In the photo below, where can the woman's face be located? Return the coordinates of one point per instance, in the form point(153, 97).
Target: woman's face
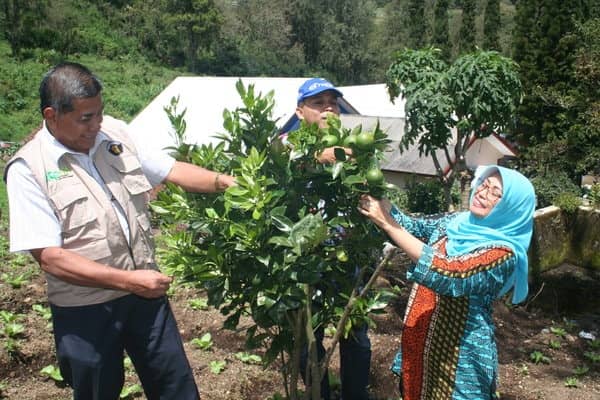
point(487, 195)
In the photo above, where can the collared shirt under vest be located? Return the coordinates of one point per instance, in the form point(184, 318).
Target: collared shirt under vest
point(101, 203)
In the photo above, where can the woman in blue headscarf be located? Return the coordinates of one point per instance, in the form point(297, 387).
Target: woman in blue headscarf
point(463, 262)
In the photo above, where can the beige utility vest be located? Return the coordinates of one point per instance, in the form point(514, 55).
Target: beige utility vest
point(89, 223)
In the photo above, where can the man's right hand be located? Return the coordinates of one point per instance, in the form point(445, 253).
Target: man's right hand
point(148, 283)
point(327, 156)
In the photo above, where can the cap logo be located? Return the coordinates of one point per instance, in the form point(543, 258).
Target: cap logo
point(318, 85)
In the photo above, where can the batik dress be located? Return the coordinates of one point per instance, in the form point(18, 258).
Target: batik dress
point(448, 350)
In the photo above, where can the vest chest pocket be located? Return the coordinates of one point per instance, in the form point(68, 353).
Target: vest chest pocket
point(72, 203)
point(133, 177)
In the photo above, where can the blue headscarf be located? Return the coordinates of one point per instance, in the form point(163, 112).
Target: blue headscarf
point(510, 223)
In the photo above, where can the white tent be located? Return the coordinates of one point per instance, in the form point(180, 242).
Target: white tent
point(204, 99)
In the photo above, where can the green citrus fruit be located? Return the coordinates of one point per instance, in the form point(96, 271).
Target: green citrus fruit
point(341, 255)
point(350, 140)
point(329, 140)
point(374, 176)
point(278, 147)
point(365, 140)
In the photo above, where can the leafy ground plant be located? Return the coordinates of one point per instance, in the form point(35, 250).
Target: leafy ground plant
point(538, 357)
point(198, 304)
point(131, 391)
point(248, 358)
point(204, 343)
point(572, 382)
point(217, 366)
point(11, 330)
point(52, 372)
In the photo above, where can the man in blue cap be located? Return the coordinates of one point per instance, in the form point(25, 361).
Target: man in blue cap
point(317, 99)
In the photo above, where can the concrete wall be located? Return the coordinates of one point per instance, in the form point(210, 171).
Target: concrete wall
point(559, 238)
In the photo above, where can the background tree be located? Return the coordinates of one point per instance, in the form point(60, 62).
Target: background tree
point(584, 134)
point(308, 19)
point(441, 32)
point(23, 23)
point(344, 50)
point(262, 37)
point(388, 36)
point(177, 32)
point(466, 40)
point(448, 106)
point(417, 24)
point(491, 25)
point(546, 47)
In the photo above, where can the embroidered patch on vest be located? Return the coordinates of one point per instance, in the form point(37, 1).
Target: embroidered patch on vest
point(56, 175)
point(115, 148)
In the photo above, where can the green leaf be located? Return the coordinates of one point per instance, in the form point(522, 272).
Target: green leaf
point(282, 222)
point(216, 367)
point(354, 179)
point(280, 241)
point(211, 213)
point(131, 390)
point(338, 167)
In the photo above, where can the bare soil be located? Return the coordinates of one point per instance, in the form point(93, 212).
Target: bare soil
point(564, 303)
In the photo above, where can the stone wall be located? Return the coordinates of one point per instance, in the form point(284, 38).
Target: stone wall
point(559, 237)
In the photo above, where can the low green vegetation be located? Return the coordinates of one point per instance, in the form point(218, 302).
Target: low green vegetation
point(52, 372)
point(204, 342)
point(198, 304)
point(217, 366)
point(11, 330)
point(538, 357)
point(248, 358)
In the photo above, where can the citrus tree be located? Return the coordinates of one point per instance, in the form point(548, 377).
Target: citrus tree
point(449, 106)
point(286, 246)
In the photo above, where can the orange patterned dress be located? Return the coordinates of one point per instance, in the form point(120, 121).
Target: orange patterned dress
point(448, 349)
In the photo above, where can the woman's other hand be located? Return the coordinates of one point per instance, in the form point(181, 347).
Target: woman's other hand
point(376, 210)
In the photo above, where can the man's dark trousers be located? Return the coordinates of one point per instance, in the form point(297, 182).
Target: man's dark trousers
point(91, 340)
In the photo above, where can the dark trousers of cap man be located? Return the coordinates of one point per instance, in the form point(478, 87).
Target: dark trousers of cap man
point(355, 364)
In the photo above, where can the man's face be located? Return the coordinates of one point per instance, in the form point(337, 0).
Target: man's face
point(76, 129)
point(315, 109)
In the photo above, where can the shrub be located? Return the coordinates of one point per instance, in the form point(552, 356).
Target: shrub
point(550, 185)
point(594, 194)
point(568, 202)
point(427, 197)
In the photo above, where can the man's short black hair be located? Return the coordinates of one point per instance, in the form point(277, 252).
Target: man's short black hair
point(65, 82)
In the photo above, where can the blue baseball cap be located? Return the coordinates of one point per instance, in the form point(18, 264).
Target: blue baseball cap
point(313, 87)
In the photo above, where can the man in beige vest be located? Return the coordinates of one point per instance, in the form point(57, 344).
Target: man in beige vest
point(78, 194)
